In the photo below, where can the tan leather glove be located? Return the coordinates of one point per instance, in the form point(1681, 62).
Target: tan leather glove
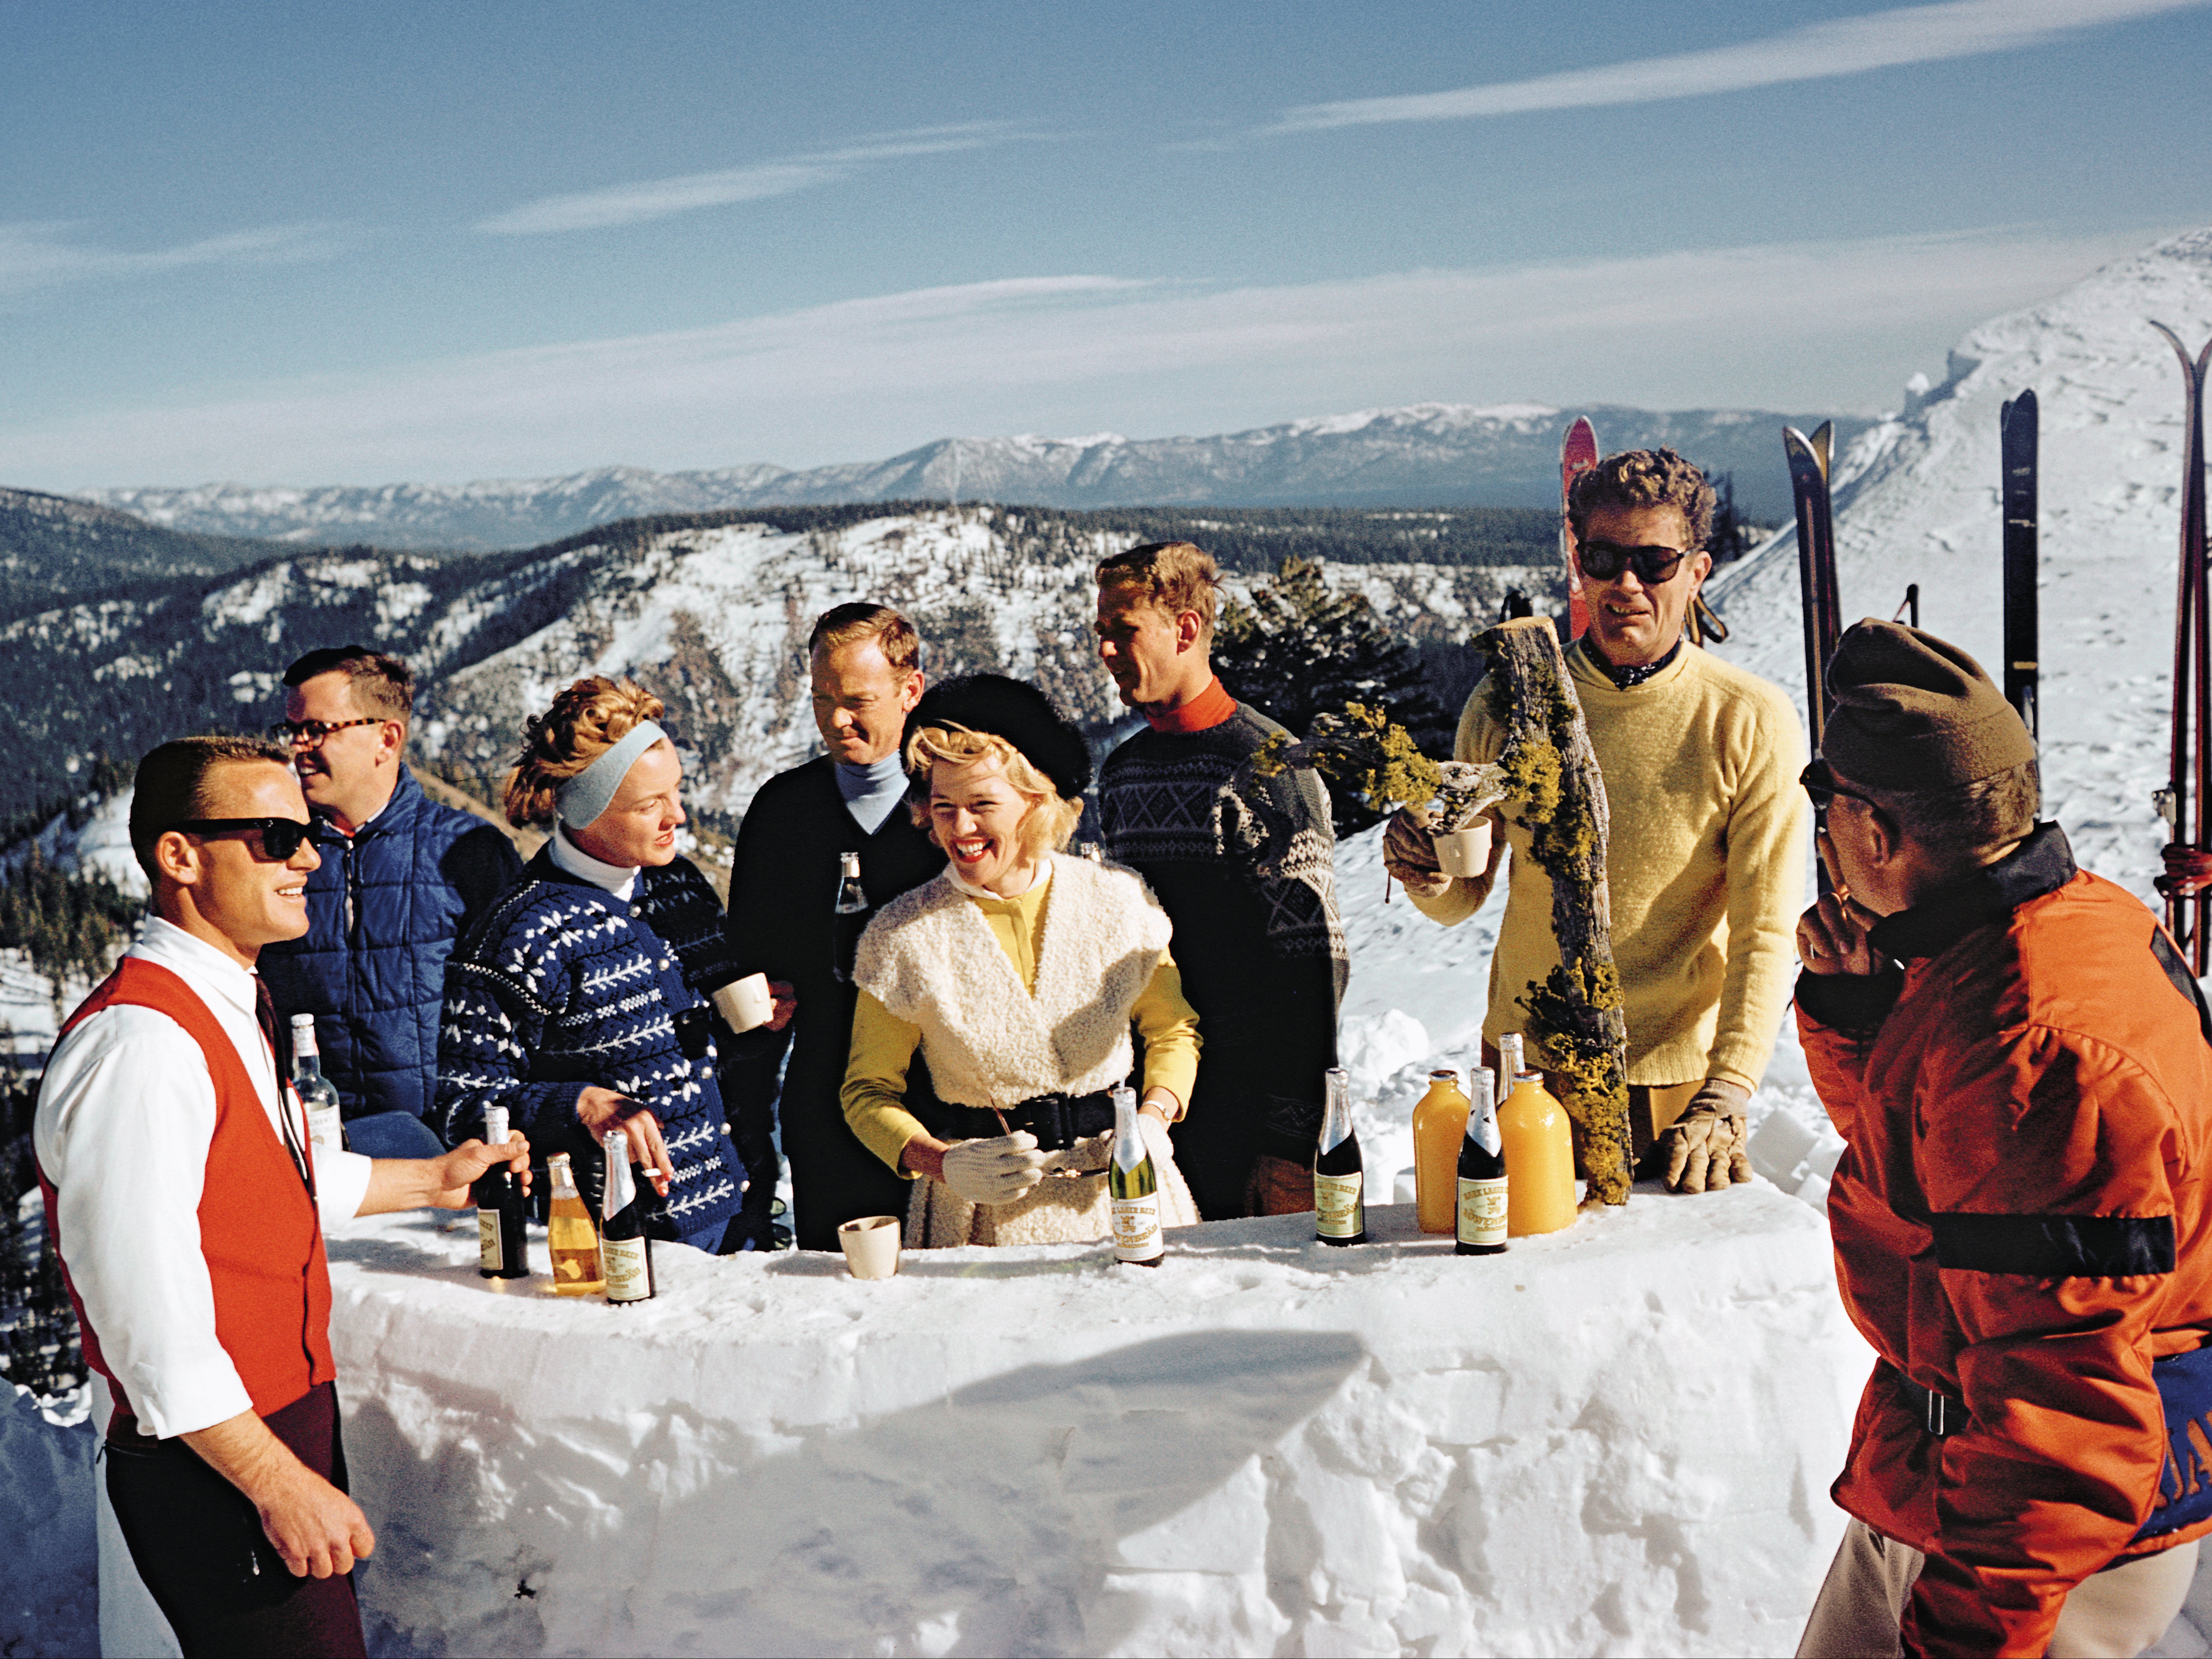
point(1278, 1186)
point(1409, 852)
point(1708, 1147)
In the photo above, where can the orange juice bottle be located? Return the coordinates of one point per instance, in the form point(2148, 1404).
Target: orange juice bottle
point(1439, 1125)
point(1539, 1156)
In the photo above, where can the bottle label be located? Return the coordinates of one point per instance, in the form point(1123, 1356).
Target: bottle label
point(623, 1265)
point(1137, 1228)
point(1338, 1213)
point(1482, 1212)
point(491, 1253)
point(326, 1127)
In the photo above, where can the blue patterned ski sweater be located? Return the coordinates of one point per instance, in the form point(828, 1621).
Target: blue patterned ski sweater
point(562, 985)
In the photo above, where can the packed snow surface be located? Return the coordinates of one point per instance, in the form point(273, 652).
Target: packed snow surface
point(1611, 1440)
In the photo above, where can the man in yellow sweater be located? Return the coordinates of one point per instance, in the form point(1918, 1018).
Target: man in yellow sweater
point(1706, 856)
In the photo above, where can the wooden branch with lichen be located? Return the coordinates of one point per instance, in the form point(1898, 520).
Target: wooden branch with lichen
point(1368, 755)
point(1575, 1017)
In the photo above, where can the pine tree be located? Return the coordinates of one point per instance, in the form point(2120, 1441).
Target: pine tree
point(1299, 649)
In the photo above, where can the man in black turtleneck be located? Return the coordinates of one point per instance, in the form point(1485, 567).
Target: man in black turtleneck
point(1706, 852)
point(865, 662)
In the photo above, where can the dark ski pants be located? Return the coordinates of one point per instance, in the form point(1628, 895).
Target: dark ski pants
point(198, 1545)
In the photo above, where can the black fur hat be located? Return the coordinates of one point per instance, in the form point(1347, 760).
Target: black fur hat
point(1017, 712)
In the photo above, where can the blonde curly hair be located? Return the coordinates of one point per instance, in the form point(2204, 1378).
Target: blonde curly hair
point(1045, 827)
point(586, 721)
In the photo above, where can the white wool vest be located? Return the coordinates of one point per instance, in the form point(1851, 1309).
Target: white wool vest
point(931, 958)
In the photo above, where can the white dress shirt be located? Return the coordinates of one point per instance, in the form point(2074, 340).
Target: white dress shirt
point(125, 1117)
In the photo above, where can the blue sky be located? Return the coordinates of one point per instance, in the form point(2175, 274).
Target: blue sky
point(318, 243)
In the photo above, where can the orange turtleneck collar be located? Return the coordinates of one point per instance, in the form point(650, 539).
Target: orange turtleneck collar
point(1202, 713)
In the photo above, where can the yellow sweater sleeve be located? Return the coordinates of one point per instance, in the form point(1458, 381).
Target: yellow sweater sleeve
point(1479, 740)
point(1169, 1025)
point(1766, 837)
point(874, 1092)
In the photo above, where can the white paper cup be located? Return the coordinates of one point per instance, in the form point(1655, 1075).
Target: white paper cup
point(872, 1246)
point(746, 1002)
point(1461, 852)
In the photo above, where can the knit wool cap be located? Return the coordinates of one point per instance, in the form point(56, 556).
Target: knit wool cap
point(1914, 712)
point(1013, 710)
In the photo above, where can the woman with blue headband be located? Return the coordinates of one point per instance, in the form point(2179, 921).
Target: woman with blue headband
point(581, 1002)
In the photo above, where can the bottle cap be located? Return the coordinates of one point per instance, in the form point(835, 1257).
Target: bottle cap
point(614, 1139)
point(1443, 1071)
point(560, 1158)
point(494, 1125)
point(303, 1022)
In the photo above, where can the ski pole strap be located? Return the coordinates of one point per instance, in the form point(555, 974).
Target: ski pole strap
point(2188, 871)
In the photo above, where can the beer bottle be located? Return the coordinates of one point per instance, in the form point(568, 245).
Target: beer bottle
point(1133, 1186)
point(500, 1210)
point(849, 919)
point(1340, 1206)
point(569, 1235)
point(625, 1251)
point(1482, 1190)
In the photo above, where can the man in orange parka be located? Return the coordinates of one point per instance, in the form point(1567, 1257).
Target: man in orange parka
point(2020, 1063)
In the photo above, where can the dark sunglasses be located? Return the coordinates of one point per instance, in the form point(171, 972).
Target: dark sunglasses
point(280, 837)
point(1820, 783)
point(310, 734)
point(1605, 560)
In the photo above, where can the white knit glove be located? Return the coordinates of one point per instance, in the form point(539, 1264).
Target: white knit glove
point(995, 1171)
point(1157, 1141)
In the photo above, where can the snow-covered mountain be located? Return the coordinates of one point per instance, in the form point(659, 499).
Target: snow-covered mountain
point(712, 613)
point(1917, 501)
point(1424, 455)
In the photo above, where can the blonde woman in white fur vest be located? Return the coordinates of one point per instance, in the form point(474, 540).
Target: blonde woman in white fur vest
point(1018, 974)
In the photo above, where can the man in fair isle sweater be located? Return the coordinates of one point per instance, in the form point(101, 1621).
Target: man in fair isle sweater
point(1707, 851)
point(1252, 895)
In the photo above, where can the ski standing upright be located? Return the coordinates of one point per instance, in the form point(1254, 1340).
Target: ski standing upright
point(2189, 851)
point(1816, 573)
point(1577, 453)
point(2016, 435)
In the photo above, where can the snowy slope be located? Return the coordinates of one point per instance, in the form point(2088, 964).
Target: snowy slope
point(1917, 501)
point(1423, 455)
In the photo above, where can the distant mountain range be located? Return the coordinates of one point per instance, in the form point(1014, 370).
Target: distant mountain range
point(1424, 455)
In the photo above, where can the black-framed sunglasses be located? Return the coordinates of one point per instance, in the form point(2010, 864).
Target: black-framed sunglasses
point(1605, 560)
point(280, 837)
point(1820, 783)
point(310, 734)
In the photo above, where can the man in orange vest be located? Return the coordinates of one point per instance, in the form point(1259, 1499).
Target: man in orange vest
point(187, 1208)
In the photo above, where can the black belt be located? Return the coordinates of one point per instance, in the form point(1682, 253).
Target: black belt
point(1940, 1414)
point(1058, 1121)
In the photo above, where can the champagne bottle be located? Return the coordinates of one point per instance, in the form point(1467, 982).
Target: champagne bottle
point(1481, 1229)
point(318, 1099)
point(849, 919)
point(1439, 1126)
point(1134, 1188)
point(569, 1235)
point(625, 1252)
point(1340, 1206)
point(500, 1210)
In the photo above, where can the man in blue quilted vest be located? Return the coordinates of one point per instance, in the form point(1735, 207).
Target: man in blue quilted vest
point(402, 880)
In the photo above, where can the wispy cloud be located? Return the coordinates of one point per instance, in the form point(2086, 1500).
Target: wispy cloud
point(1844, 46)
point(38, 253)
point(661, 199)
point(1832, 325)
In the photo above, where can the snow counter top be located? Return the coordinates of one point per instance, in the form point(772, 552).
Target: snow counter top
point(1614, 1439)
